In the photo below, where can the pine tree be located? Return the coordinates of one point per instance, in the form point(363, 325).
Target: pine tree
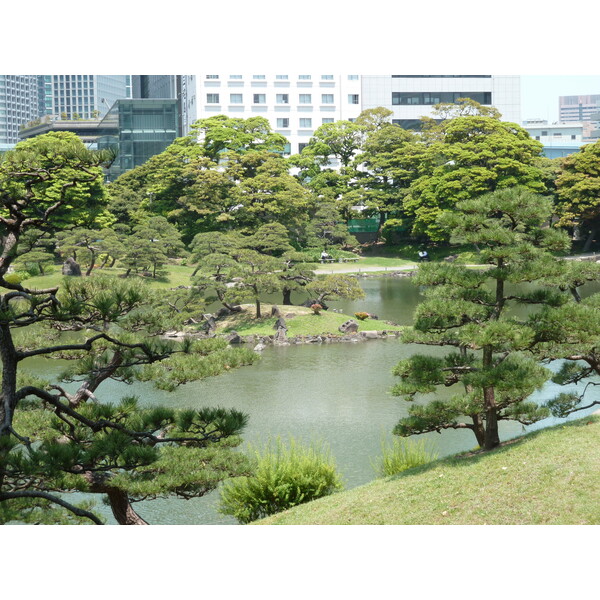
point(68, 435)
point(491, 367)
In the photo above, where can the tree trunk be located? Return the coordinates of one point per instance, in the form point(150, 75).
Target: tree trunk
point(257, 303)
point(589, 240)
point(92, 261)
point(492, 438)
point(122, 509)
point(287, 296)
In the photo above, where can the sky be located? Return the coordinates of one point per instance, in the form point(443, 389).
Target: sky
point(540, 93)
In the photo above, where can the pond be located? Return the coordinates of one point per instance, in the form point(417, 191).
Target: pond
point(338, 394)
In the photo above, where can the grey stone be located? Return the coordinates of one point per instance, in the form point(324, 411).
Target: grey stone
point(234, 338)
point(280, 324)
point(349, 326)
point(71, 268)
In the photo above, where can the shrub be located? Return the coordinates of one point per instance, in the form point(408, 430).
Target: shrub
point(361, 316)
point(284, 476)
point(316, 308)
point(402, 455)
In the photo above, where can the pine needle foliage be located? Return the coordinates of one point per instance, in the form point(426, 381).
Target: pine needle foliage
point(492, 363)
point(57, 438)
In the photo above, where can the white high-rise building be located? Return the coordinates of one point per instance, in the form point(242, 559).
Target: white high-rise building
point(19, 104)
point(411, 97)
point(295, 104)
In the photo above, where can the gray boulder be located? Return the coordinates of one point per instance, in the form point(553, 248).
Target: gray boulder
point(71, 268)
point(350, 326)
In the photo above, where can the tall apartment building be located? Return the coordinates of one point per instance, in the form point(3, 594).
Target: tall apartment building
point(84, 95)
point(295, 104)
point(19, 104)
point(411, 97)
point(584, 109)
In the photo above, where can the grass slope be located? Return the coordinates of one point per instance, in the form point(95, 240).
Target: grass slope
point(299, 321)
point(548, 477)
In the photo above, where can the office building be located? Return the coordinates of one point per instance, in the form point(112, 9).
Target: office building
point(559, 139)
point(584, 109)
point(179, 87)
point(19, 104)
point(295, 104)
point(411, 97)
point(138, 129)
point(83, 96)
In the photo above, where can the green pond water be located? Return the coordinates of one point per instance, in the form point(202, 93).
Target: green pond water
point(338, 394)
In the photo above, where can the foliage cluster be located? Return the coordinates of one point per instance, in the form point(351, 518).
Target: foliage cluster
point(285, 475)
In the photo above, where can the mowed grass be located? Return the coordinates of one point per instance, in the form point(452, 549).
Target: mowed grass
point(300, 321)
point(549, 477)
point(175, 275)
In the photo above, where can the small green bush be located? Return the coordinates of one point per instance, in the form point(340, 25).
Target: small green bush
point(402, 455)
point(284, 476)
point(361, 316)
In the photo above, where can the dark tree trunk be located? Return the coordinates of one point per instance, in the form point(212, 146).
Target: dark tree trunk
point(589, 240)
point(122, 509)
point(92, 261)
point(287, 297)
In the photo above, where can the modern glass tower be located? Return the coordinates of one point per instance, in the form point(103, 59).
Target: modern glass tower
point(86, 96)
point(138, 129)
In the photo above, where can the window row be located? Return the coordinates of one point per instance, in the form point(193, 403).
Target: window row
point(279, 98)
point(430, 98)
point(285, 77)
point(305, 123)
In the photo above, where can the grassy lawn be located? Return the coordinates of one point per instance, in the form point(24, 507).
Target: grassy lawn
point(176, 275)
point(299, 320)
point(548, 477)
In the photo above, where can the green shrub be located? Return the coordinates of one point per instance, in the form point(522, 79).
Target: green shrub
point(402, 455)
point(284, 476)
point(361, 316)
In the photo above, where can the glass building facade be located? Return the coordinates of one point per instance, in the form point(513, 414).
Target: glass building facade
point(137, 129)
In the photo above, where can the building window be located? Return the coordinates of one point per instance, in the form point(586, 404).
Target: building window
point(326, 98)
point(327, 77)
point(281, 76)
point(303, 76)
point(352, 98)
point(352, 77)
point(236, 98)
point(283, 123)
point(430, 98)
point(282, 98)
point(258, 77)
point(326, 120)
point(306, 123)
point(573, 137)
point(212, 77)
point(301, 146)
point(305, 99)
point(235, 77)
point(260, 99)
point(544, 133)
point(212, 98)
